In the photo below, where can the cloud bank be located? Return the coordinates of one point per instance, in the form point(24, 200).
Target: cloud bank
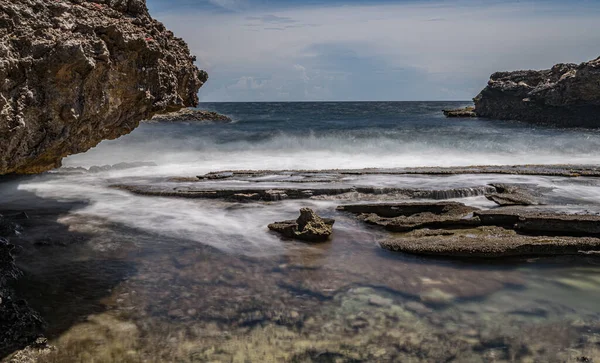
point(386, 51)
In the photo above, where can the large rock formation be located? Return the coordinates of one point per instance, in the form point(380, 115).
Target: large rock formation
point(76, 72)
point(566, 95)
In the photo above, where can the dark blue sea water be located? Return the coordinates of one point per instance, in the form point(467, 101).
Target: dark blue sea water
point(345, 135)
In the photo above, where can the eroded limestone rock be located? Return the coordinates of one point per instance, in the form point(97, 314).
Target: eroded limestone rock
point(489, 242)
point(308, 227)
point(565, 95)
point(76, 72)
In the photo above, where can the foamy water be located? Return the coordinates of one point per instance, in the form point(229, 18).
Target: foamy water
point(306, 136)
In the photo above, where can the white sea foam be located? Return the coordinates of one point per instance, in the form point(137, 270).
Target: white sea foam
point(200, 154)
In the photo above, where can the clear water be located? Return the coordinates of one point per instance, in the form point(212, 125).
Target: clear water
point(121, 277)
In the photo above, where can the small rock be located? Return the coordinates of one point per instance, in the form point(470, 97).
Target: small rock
point(308, 227)
point(460, 112)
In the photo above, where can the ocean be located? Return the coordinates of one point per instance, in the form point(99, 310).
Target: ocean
point(126, 277)
point(344, 135)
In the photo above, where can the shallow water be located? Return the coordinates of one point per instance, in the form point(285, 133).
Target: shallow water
point(122, 277)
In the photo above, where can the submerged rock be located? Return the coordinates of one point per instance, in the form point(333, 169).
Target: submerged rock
point(565, 95)
point(190, 115)
point(460, 112)
point(308, 227)
point(77, 72)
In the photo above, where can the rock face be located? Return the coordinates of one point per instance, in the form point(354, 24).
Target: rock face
point(190, 115)
point(308, 227)
point(566, 95)
point(76, 72)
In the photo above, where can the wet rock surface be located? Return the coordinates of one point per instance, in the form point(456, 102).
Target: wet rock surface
point(19, 324)
point(308, 227)
point(494, 233)
point(570, 170)
point(79, 72)
point(460, 112)
point(488, 242)
point(254, 194)
point(102, 168)
point(190, 115)
point(567, 95)
point(402, 217)
point(545, 223)
point(507, 195)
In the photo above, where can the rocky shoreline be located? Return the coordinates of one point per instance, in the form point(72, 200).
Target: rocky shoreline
point(567, 95)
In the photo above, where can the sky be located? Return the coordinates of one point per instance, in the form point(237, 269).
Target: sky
point(361, 50)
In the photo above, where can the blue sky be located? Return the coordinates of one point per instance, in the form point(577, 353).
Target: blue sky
point(273, 50)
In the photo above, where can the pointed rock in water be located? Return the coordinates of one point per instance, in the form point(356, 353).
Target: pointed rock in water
point(308, 227)
point(460, 112)
point(76, 72)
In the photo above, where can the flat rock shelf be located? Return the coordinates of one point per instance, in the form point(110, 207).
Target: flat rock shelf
point(452, 212)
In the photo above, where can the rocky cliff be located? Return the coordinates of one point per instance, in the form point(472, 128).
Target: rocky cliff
point(76, 72)
point(566, 95)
